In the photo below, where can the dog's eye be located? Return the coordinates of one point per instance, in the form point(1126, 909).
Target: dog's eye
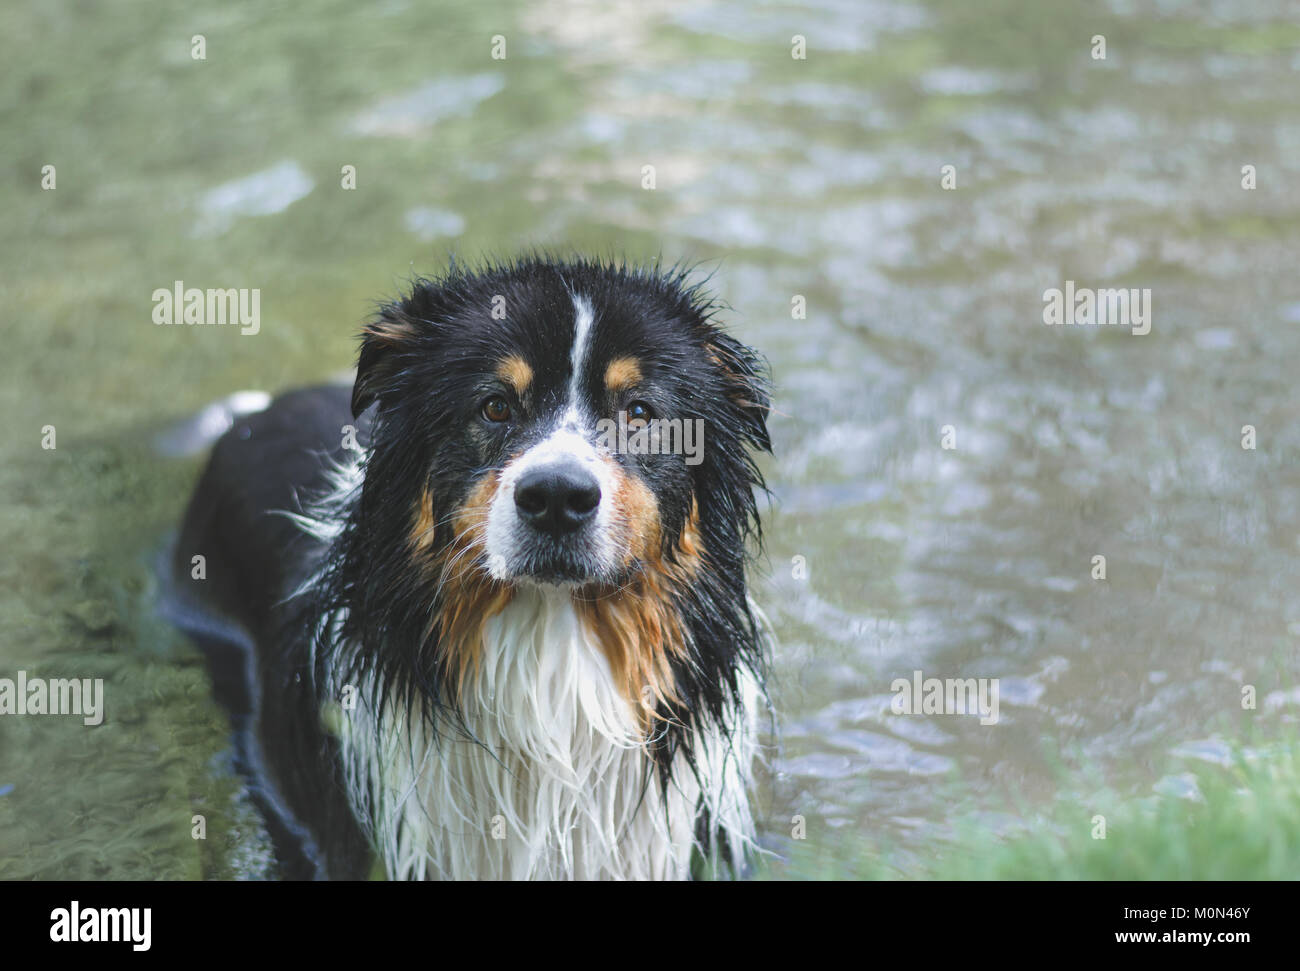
point(496, 409)
point(639, 411)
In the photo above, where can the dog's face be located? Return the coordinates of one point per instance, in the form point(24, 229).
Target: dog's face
point(558, 424)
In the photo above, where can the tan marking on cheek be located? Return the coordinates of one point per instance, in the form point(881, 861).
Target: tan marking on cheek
point(637, 625)
point(636, 514)
point(470, 520)
point(423, 530)
point(622, 373)
point(639, 631)
point(687, 557)
point(514, 371)
point(470, 596)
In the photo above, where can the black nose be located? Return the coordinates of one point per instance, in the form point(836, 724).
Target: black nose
point(557, 499)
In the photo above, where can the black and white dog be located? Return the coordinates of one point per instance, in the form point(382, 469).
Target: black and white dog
point(493, 603)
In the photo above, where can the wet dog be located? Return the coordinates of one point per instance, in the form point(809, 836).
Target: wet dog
point(479, 636)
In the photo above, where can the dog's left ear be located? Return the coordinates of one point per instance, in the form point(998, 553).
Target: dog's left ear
point(383, 345)
point(746, 387)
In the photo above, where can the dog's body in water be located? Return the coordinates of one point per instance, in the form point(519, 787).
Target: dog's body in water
point(466, 637)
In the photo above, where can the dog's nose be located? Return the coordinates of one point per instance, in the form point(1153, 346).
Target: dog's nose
point(557, 499)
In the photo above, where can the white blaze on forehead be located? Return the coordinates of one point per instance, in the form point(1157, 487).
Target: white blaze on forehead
point(567, 442)
point(581, 345)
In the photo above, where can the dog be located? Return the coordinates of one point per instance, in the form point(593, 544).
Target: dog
point(483, 617)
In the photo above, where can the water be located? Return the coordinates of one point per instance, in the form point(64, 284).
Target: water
point(818, 178)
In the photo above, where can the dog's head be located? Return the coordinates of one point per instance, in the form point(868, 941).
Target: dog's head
point(563, 424)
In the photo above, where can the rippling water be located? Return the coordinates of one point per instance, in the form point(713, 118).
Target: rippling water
point(818, 181)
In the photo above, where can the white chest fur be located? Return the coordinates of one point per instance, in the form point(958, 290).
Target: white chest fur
point(554, 785)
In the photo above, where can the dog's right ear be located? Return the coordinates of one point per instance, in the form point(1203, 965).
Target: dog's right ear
point(384, 343)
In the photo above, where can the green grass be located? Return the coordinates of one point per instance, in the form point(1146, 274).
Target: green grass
point(1237, 822)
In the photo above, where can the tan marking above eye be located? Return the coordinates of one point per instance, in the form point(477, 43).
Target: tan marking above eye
point(622, 373)
point(516, 372)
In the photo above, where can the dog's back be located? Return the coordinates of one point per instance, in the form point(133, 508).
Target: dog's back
point(235, 603)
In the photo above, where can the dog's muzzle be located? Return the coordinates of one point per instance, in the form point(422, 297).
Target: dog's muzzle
point(553, 519)
point(557, 499)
